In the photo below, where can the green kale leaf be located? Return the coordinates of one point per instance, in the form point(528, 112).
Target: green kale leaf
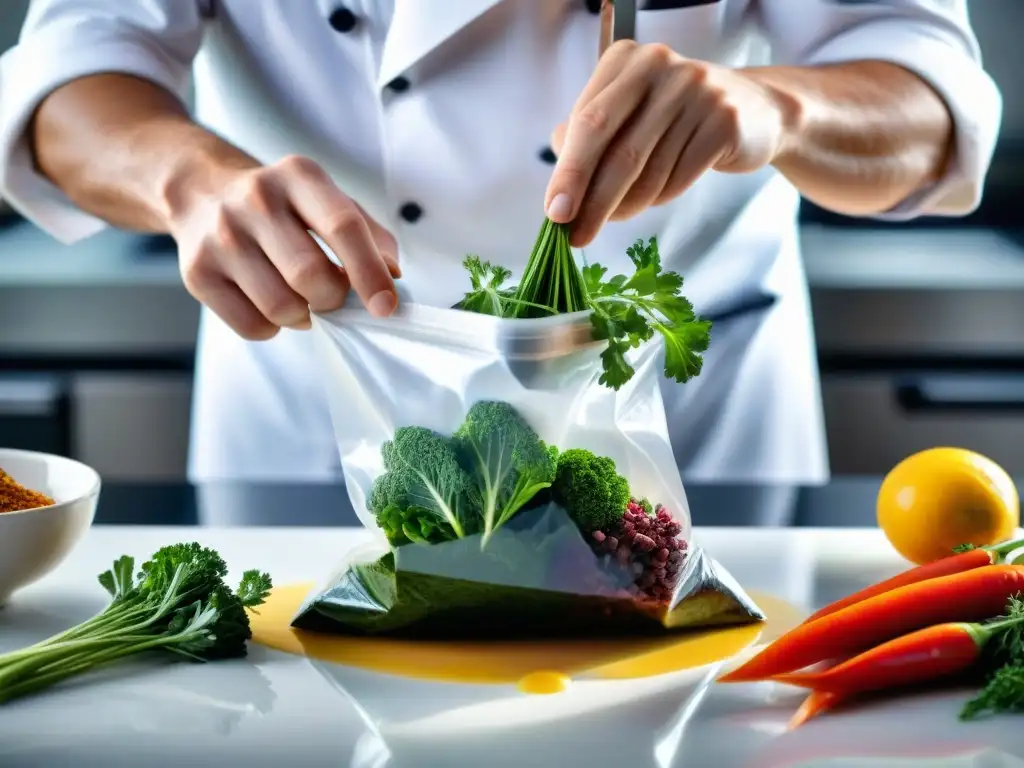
point(423, 473)
point(505, 457)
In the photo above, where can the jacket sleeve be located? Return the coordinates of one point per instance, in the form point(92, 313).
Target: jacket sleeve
point(933, 39)
point(63, 40)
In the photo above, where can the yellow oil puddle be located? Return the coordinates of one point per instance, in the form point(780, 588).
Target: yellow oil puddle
point(544, 682)
point(540, 667)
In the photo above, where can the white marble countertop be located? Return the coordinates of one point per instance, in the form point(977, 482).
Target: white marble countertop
point(273, 709)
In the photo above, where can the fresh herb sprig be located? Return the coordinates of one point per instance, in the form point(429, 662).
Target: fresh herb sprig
point(486, 296)
point(552, 280)
point(625, 311)
point(1004, 688)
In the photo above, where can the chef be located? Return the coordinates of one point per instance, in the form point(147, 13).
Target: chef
point(407, 133)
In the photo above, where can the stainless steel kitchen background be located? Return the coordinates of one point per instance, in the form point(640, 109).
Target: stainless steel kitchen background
point(918, 325)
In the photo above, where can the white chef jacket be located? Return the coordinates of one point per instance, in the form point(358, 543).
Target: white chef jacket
point(435, 116)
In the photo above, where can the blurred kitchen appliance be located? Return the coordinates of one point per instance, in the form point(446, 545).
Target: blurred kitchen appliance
point(920, 342)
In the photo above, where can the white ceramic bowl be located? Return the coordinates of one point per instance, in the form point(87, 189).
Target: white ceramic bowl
point(33, 542)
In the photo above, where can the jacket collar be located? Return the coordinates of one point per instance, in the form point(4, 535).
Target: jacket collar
point(419, 27)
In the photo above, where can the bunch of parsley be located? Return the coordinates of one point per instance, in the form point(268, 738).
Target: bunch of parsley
point(176, 603)
point(625, 311)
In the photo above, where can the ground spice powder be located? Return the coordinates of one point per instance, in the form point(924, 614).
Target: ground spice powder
point(15, 497)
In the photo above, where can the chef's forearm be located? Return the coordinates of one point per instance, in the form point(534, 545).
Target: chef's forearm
point(119, 146)
point(862, 136)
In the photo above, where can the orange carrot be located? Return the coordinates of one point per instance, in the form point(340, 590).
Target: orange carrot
point(815, 704)
point(974, 595)
point(922, 656)
point(947, 566)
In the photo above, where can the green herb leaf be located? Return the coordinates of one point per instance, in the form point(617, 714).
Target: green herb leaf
point(1004, 689)
point(627, 312)
point(1004, 692)
point(487, 296)
point(254, 588)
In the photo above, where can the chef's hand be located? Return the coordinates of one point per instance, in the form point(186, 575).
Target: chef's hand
point(246, 252)
point(646, 127)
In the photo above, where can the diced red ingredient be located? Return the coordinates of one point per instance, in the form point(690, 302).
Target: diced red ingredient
point(649, 545)
point(643, 542)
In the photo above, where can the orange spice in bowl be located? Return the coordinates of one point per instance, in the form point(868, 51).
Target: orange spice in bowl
point(14, 497)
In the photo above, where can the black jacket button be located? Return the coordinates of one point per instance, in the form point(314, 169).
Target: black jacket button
point(399, 85)
point(342, 19)
point(411, 212)
point(548, 156)
point(594, 6)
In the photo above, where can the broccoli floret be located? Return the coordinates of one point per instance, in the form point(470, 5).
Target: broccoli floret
point(590, 489)
point(507, 459)
point(423, 473)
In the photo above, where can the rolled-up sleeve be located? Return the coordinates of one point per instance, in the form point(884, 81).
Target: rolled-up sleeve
point(931, 38)
point(63, 40)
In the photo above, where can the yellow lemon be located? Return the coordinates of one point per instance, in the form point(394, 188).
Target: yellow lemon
point(937, 499)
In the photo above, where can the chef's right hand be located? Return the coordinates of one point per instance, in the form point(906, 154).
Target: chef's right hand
point(246, 253)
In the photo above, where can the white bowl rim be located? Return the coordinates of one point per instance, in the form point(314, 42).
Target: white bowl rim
point(94, 487)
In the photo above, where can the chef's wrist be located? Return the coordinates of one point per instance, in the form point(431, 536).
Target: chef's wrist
point(790, 104)
point(198, 170)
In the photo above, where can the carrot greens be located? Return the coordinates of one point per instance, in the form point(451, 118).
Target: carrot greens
point(1004, 687)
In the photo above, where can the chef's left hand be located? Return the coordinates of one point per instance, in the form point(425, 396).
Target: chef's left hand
point(648, 124)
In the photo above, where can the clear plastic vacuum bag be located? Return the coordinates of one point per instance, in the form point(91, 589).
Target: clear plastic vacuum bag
point(514, 495)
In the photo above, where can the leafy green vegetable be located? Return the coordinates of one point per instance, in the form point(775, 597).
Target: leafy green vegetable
point(487, 296)
point(624, 311)
point(1004, 692)
point(423, 473)
point(508, 461)
point(412, 526)
point(627, 312)
point(1004, 688)
point(435, 489)
point(590, 489)
point(177, 602)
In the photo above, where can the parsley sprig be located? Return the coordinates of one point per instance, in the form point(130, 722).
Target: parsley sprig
point(625, 311)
